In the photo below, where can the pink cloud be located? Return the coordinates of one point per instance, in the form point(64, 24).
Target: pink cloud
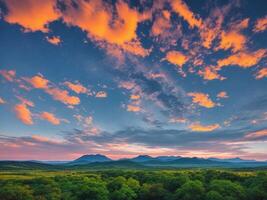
point(9, 75)
point(257, 134)
point(2, 101)
point(101, 94)
point(127, 85)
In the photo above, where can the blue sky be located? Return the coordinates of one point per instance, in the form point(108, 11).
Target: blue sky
point(172, 77)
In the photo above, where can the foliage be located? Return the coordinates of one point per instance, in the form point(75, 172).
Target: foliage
point(133, 185)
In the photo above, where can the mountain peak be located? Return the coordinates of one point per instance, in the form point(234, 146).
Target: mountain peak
point(90, 158)
point(142, 158)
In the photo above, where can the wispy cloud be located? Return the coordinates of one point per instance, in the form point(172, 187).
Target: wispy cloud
point(262, 73)
point(9, 75)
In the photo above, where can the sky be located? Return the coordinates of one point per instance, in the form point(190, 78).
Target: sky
point(123, 78)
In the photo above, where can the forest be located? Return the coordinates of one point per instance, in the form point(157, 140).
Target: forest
point(121, 184)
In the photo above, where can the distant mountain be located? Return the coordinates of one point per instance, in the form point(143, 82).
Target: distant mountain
point(85, 159)
point(182, 162)
point(142, 158)
point(167, 158)
point(232, 160)
point(98, 161)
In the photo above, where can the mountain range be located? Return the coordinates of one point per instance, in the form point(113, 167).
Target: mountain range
point(98, 161)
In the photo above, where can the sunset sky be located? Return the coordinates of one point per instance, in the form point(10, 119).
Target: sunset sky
point(123, 78)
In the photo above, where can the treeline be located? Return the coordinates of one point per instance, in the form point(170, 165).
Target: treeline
point(139, 185)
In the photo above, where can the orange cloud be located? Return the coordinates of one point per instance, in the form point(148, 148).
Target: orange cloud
point(233, 39)
point(99, 21)
point(54, 40)
point(257, 134)
point(38, 82)
point(77, 87)
point(63, 96)
point(182, 9)
point(101, 94)
point(50, 117)
point(135, 96)
point(222, 94)
point(161, 23)
point(202, 99)
point(197, 127)
point(239, 25)
point(133, 108)
point(243, 59)
point(261, 73)
point(261, 24)
point(176, 58)
point(135, 48)
point(209, 73)
point(2, 101)
point(9, 75)
point(32, 15)
point(211, 27)
point(124, 26)
point(23, 113)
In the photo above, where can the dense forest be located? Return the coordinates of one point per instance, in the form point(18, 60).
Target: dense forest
point(134, 185)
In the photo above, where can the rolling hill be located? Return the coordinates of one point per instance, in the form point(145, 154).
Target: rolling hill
point(98, 161)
